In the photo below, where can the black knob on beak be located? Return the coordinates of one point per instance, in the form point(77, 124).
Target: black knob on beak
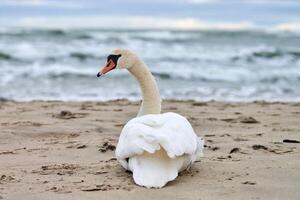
point(98, 75)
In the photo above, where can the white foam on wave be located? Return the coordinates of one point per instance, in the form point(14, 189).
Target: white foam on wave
point(188, 65)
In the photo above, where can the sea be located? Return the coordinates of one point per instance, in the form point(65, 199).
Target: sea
point(222, 65)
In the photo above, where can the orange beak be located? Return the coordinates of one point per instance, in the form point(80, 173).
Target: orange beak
point(110, 65)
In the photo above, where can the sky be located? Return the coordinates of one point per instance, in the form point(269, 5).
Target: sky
point(182, 14)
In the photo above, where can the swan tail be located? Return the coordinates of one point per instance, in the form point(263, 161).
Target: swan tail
point(153, 170)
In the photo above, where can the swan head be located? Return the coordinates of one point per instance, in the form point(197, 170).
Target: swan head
point(118, 59)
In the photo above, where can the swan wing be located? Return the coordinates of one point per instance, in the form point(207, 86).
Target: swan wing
point(156, 147)
point(150, 133)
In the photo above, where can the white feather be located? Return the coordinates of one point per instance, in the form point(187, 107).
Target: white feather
point(156, 147)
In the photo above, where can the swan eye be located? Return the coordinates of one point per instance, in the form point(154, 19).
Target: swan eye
point(114, 58)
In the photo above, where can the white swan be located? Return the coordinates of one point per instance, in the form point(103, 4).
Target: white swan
point(154, 146)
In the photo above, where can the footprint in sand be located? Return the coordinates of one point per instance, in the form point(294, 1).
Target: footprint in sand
point(76, 146)
point(278, 150)
point(104, 187)
point(107, 146)
point(249, 183)
point(8, 179)
point(59, 190)
point(65, 114)
point(59, 169)
point(242, 119)
point(26, 123)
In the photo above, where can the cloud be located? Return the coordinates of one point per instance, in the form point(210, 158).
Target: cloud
point(23, 2)
point(201, 1)
point(140, 22)
point(269, 2)
point(42, 3)
point(290, 26)
point(123, 22)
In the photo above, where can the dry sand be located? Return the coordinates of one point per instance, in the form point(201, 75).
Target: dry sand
point(65, 150)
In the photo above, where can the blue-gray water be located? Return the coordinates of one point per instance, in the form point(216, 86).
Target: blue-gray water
point(202, 65)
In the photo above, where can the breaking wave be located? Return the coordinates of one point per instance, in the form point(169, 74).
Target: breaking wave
point(222, 65)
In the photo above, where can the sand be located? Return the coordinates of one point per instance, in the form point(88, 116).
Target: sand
point(65, 150)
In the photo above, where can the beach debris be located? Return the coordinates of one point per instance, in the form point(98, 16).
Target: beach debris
point(234, 150)
point(91, 189)
point(106, 146)
point(277, 143)
point(212, 119)
point(242, 119)
point(103, 187)
point(248, 120)
point(240, 139)
point(272, 150)
point(7, 152)
point(99, 172)
point(226, 134)
point(222, 158)
point(258, 147)
point(73, 135)
point(248, 183)
point(280, 151)
point(229, 120)
point(59, 169)
point(81, 146)
point(119, 125)
point(214, 148)
point(65, 114)
point(6, 178)
point(77, 146)
point(290, 141)
point(60, 190)
point(209, 135)
point(26, 123)
point(199, 104)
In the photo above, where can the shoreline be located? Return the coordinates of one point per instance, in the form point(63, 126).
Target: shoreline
point(65, 150)
point(163, 100)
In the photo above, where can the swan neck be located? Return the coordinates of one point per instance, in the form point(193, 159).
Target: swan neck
point(151, 103)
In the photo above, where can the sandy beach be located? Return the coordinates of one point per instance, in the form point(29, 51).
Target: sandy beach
point(65, 150)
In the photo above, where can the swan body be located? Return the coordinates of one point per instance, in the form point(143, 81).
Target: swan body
point(154, 146)
point(158, 147)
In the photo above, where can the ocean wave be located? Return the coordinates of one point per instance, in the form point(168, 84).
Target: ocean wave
point(197, 75)
point(276, 53)
point(84, 56)
point(5, 56)
point(33, 32)
point(267, 54)
point(10, 58)
point(224, 65)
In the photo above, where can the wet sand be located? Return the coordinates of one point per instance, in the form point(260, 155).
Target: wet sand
point(65, 150)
